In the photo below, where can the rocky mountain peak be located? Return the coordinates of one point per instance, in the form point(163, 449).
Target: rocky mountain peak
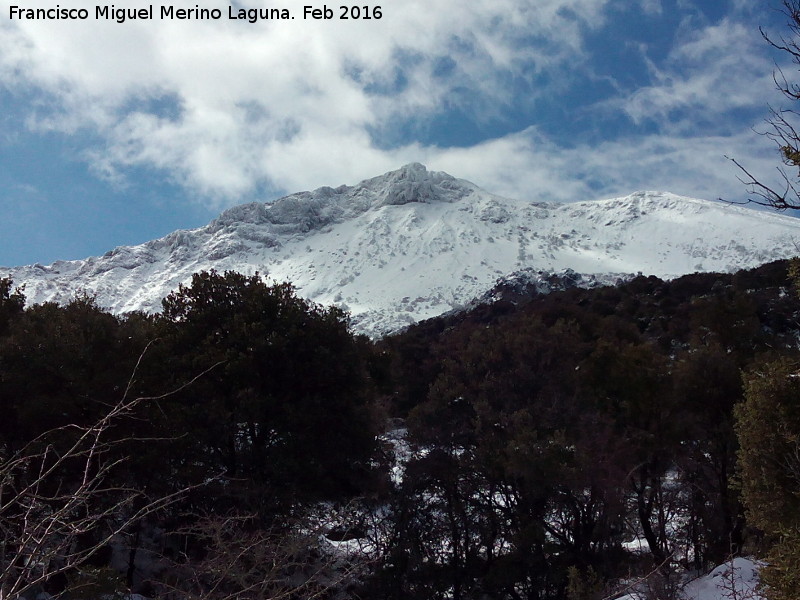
point(413, 183)
point(414, 243)
point(304, 211)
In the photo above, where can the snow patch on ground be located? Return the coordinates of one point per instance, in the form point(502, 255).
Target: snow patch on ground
point(736, 579)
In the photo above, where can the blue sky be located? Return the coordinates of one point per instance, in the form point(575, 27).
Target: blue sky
point(114, 134)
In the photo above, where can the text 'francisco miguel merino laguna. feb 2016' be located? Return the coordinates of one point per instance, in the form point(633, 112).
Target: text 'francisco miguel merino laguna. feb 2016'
point(252, 15)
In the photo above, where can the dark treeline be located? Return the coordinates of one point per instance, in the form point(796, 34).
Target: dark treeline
point(560, 444)
point(255, 402)
point(559, 428)
point(249, 382)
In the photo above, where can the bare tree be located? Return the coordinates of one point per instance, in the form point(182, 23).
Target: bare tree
point(733, 586)
point(59, 505)
point(240, 557)
point(782, 126)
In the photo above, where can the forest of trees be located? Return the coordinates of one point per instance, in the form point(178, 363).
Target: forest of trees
point(593, 416)
point(238, 399)
point(559, 446)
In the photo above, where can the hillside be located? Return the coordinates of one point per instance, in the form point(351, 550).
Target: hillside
point(412, 244)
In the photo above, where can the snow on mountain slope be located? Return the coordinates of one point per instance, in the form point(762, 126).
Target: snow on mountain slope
point(413, 243)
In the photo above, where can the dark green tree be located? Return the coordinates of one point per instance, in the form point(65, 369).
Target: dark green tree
point(12, 303)
point(768, 426)
point(61, 365)
point(284, 402)
point(707, 384)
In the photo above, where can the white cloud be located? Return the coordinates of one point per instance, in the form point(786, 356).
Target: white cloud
point(652, 7)
point(226, 107)
point(529, 166)
point(713, 70)
point(248, 96)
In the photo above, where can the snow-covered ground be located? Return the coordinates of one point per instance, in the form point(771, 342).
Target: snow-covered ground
point(736, 580)
point(733, 580)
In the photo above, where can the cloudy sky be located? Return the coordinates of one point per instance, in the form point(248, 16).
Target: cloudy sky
point(117, 133)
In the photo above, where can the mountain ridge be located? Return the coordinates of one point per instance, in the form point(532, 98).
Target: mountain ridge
point(413, 243)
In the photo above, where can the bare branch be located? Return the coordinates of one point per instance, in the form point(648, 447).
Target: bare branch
point(44, 512)
point(245, 559)
point(781, 125)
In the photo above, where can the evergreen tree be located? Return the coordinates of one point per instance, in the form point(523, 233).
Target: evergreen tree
point(12, 302)
point(60, 365)
point(284, 402)
point(768, 426)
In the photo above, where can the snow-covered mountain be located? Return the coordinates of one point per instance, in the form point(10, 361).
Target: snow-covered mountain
point(413, 243)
